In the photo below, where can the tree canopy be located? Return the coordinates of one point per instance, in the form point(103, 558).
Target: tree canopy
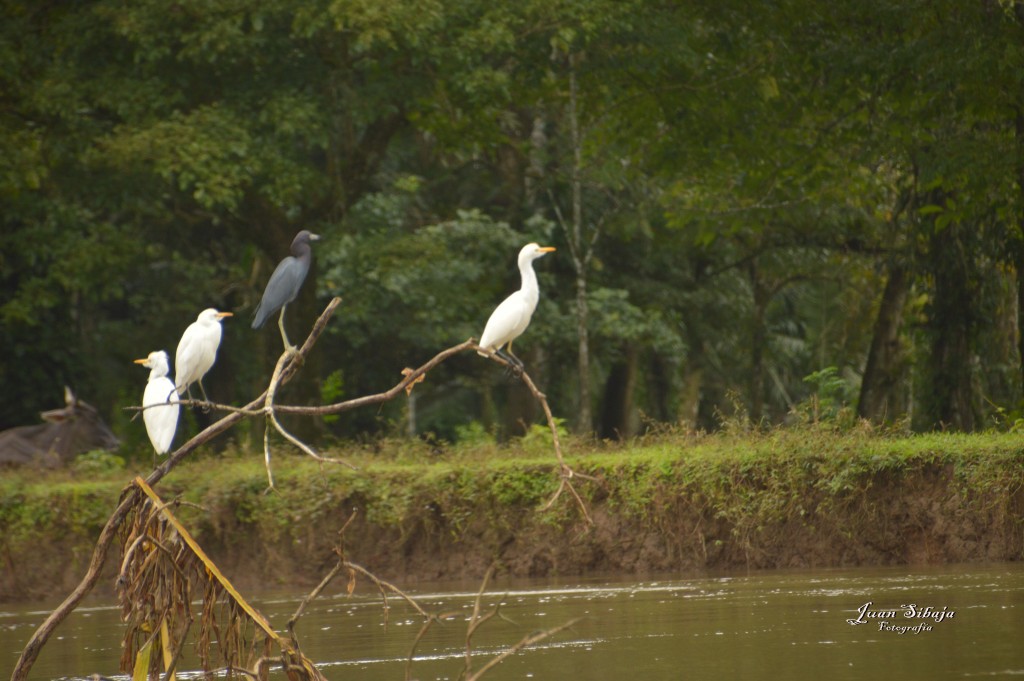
point(756, 206)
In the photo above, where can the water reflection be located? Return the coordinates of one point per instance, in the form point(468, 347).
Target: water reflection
point(791, 625)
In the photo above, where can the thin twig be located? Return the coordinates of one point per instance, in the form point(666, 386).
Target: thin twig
point(429, 622)
point(269, 410)
point(340, 551)
point(312, 595)
point(192, 403)
point(266, 459)
point(567, 473)
point(525, 642)
point(382, 585)
point(475, 620)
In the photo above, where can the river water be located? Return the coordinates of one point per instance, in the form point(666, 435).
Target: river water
point(799, 625)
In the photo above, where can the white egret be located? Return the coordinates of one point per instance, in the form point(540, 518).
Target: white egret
point(285, 283)
point(161, 422)
point(197, 351)
point(510, 319)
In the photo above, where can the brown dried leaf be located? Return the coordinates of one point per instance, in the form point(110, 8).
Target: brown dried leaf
point(419, 379)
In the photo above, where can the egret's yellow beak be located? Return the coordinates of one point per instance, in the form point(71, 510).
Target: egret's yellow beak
point(222, 315)
point(141, 361)
point(546, 249)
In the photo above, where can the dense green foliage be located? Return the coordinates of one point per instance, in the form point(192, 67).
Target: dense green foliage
point(742, 196)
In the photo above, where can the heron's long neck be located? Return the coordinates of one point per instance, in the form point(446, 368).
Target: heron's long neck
point(529, 287)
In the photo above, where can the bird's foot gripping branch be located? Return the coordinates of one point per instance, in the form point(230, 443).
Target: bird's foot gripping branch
point(265, 406)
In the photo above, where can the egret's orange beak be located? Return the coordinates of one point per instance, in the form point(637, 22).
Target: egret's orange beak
point(141, 361)
point(547, 249)
point(222, 315)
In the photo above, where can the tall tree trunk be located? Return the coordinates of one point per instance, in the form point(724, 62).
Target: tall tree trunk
point(953, 394)
point(758, 342)
point(1019, 128)
point(692, 383)
point(581, 251)
point(882, 388)
point(658, 387)
point(617, 409)
point(584, 417)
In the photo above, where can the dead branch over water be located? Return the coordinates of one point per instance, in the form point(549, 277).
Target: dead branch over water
point(155, 589)
point(264, 405)
point(131, 496)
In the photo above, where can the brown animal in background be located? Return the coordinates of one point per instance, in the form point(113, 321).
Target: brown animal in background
point(68, 432)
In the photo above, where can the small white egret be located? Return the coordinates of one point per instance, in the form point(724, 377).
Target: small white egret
point(161, 422)
point(285, 283)
point(197, 351)
point(510, 319)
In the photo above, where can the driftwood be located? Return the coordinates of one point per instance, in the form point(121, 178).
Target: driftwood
point(264, 405)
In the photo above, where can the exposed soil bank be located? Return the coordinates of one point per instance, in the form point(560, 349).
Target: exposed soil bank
point(802, 499)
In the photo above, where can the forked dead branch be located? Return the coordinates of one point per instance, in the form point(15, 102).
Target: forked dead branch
point(475, 621)
point(264, 405)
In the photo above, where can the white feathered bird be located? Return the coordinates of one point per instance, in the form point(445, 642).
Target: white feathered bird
point(162, 421)
point(510, 319)
point(197, 351)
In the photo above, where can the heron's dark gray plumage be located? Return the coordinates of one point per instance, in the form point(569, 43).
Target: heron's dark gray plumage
point(287, 278)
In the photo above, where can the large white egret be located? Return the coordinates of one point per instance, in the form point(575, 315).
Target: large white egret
point(285, 283)
point(197, 351)
point(161, 422)
point(510, 319)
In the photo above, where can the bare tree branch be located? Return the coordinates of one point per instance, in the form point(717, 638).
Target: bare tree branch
point(377, 398)
point(130, 497)
point(264, 405)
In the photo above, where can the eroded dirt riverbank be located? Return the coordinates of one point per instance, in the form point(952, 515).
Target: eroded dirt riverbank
point(779, 501)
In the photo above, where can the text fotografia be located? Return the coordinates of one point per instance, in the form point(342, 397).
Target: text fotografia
point(909, 619)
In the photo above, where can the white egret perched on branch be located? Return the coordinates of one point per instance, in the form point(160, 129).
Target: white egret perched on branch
point(285, 283)
point(162, 421)
point(510, 319)
point(197, 351)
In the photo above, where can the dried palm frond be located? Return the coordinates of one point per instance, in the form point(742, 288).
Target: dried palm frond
point(162, 567)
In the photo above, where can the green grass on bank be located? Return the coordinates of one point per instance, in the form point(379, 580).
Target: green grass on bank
point(749, 478)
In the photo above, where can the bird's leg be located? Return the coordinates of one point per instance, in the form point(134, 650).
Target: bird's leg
point(515, 366)
point(518, 362)
point(288, 347)
point(206, 407)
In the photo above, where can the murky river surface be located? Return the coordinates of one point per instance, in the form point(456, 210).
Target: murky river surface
point(765, 625)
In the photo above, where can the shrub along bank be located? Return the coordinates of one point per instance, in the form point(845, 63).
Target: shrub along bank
point(802, 497)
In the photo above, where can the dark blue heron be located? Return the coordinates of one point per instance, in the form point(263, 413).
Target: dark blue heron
point(285, 283)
